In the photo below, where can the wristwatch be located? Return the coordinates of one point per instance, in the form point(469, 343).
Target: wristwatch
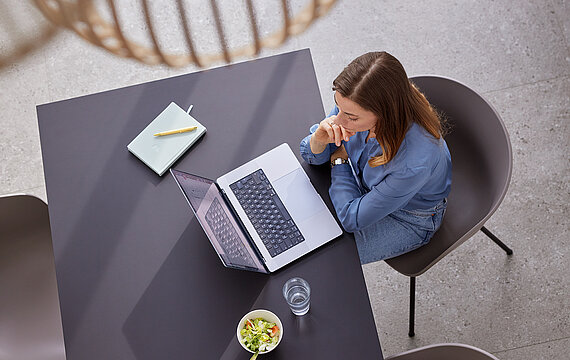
point(338, 161)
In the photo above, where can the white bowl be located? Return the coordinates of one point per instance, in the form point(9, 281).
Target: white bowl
point(266, 315)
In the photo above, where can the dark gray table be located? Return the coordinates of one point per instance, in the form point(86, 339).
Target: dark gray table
point(137, 277)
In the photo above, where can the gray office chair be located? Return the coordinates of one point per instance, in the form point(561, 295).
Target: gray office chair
point(482, 163)
point(30, 321)
point(444, 352)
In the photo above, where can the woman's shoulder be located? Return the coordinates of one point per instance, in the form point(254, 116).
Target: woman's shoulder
point(420, 148)
point(420, 135)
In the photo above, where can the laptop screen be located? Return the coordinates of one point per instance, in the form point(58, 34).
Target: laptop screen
point(218, 222)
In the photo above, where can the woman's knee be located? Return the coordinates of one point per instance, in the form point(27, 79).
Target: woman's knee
point(388, 239)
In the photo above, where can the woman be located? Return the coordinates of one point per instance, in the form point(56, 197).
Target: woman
point(391, 168)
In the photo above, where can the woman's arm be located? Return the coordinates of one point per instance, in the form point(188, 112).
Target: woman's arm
point(317, 147)
point(318, 157)
point(356, 211)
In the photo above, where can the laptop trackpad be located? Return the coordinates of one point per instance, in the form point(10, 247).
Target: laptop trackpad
point(298, 195)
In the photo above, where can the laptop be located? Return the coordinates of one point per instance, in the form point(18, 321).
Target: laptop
point(262, 215)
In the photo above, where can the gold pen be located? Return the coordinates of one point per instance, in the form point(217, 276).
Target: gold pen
point(177, 131)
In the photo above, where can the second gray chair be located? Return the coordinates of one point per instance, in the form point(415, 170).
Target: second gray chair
point(482, 163)
point(30, 321)
point(444, 352)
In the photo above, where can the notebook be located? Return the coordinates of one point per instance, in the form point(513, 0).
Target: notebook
point(262, 215)
point(160, 152)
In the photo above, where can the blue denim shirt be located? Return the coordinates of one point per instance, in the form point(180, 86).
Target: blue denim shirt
point(418, 177)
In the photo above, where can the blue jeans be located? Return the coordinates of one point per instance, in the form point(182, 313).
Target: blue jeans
point(398, 233)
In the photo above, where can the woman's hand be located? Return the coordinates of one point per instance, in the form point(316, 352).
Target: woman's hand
point(328, 132)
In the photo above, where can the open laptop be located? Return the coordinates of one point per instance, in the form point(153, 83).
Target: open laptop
point(263, 215)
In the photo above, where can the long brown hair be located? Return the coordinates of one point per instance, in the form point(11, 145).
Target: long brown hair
point(378, 83)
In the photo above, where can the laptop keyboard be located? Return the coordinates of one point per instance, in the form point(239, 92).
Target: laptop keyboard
point(227, 235)
point(267, 213)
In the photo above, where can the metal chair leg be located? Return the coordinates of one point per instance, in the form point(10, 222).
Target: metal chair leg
point(496, 240)
point(412, 305)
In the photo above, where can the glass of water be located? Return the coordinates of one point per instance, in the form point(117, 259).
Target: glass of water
point(297, 293)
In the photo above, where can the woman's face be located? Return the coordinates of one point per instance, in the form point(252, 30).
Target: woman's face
point(353, 117)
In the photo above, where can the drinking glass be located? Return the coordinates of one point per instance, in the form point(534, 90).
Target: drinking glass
point(297, 293)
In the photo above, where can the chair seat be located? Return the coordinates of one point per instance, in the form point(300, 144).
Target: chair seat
point(465, 215)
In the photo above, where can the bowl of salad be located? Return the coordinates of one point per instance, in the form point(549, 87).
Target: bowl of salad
point(259, 332)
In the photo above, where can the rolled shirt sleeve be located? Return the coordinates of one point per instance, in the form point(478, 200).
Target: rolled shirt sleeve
point(356, 211)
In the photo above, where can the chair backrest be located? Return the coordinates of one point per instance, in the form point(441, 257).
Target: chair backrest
point(30, 320)
point(444, 352)
point(481, 157)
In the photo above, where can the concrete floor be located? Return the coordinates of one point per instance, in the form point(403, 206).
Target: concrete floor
point(515, 53)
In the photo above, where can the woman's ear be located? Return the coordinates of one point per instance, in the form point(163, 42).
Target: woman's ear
point(376, 129)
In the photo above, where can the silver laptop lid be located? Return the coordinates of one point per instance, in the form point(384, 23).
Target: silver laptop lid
point(218, 222)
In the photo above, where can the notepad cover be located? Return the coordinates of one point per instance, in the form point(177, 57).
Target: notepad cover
point(160, 152)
